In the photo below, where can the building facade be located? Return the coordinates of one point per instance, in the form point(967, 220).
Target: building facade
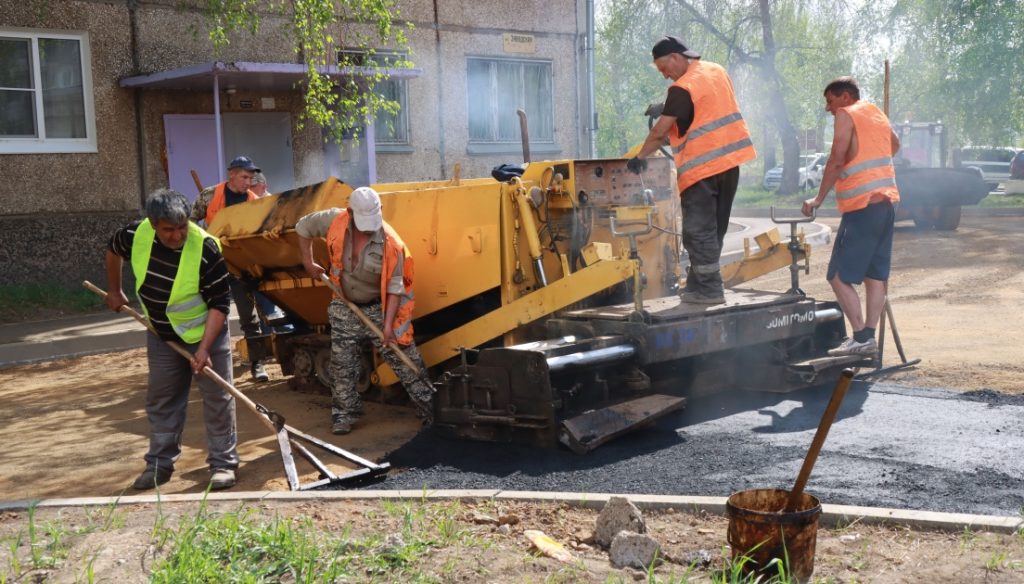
point(102, 102)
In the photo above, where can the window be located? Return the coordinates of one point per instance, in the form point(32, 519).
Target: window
point(45, 93)
point(497, 88)
point(388, 129)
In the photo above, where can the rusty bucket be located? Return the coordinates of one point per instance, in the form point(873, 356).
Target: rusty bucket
point(759, 530)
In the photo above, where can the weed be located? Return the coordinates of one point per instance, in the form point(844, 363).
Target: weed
point(967, 538)
point(14, 543)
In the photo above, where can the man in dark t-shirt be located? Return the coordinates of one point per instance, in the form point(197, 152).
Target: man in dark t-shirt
point(182, 283)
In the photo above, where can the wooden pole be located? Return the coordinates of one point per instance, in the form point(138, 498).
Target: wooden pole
point(207, 371)
point(195, 178)
point(819, 439)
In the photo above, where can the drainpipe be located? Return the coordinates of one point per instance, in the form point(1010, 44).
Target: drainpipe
point(140, 131)
point(216, 122)
point(440, 91)
point(591, 103)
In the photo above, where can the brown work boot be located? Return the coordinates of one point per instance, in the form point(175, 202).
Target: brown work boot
point(341, 424)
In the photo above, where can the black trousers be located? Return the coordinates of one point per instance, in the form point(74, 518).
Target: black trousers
point(707, 206)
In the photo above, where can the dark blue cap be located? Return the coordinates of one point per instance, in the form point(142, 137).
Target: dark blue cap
point(245, 163)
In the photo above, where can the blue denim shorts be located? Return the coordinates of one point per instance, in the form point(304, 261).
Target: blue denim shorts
point(863, 247)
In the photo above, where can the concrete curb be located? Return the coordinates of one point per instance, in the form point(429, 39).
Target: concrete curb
point(831, 514)
point(762, 212)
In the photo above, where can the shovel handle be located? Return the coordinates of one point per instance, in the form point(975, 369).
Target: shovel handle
point(819, 439)
point(207, 371)
point(370, 325)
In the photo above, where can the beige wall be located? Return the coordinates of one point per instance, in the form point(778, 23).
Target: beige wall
point(102, 181)
point(54, 188)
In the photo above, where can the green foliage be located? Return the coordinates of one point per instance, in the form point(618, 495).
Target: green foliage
point(35, 301)
point(319, 30)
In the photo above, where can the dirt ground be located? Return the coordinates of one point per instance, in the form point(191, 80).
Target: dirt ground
point(77, 427)
point(463, 544)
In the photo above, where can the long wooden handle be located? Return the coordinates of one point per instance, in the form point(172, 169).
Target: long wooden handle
point(261, 411)
point(819, 439)
point(370, 325)
point(199, 183)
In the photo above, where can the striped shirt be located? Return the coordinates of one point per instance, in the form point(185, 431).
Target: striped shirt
point(163, 267)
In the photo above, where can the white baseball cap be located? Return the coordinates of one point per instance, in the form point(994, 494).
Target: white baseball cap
point(364, 204)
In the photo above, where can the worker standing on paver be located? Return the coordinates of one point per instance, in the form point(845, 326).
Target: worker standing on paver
point(237, 189)
point(371, 265)
point(709, 138)
point(182, 283)
point(860, 168)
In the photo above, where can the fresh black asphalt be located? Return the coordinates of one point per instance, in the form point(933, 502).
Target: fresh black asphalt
point(890, 446)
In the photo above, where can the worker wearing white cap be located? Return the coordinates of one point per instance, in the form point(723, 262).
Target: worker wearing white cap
point(370, 264)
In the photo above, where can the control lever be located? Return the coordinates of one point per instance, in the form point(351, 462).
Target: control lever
point(796, 250)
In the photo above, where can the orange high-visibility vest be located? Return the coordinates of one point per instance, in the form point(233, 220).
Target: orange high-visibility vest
point(869, 176)
point(217, 202)
point(717, 139)
point(394, 252)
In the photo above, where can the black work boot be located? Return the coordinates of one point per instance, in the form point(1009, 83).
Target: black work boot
point(258, 372)
point(152, 477)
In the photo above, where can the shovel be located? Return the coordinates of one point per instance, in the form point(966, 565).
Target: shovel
point(819, 439)
point(287, 437)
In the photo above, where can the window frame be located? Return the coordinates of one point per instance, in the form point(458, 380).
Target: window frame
point(41, 144)
point(493, 145)
point(403, 101)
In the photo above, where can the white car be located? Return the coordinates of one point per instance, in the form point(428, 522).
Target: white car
point(993, 161)
point(812, 166)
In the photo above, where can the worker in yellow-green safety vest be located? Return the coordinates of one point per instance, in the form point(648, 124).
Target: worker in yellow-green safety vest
point(181, 281)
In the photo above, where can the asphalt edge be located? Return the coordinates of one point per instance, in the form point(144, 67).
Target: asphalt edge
point(831, 515)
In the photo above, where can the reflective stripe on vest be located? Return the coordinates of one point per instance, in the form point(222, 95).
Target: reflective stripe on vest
point(870, 174)
point(717, 139)
point(186, 309)
point(394, 251)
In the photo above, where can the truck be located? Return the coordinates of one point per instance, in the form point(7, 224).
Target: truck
point(547, 305)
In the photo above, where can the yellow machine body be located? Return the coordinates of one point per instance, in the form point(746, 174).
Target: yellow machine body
point(490, 257)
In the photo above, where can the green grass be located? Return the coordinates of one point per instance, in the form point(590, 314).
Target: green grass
point(35, 301)
point(757, 197)
point(1002, 201)
point(242, 547)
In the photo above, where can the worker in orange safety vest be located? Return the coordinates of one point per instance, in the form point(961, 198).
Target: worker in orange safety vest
point(237, 189)
point(861, 170)
point(371, 266)
point(701, 120)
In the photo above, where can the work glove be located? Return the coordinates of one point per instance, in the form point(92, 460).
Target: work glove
point(636, 165)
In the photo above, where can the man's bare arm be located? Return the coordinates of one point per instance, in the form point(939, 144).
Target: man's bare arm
point(841, 141)
point(657, 136)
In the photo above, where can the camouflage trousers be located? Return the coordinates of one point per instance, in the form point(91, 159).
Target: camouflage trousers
point(348, 338)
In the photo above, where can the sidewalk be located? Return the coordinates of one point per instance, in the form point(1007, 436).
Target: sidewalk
point(61, 338)
point(105, 332)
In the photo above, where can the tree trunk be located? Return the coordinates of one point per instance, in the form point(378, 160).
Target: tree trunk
point(780, 115)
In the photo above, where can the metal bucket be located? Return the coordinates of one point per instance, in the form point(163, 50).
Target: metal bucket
point(761, 532)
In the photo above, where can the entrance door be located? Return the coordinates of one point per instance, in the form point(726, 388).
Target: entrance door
point(191, 145)
point(266, 137)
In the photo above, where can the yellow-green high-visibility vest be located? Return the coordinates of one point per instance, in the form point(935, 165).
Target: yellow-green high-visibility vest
point(186, 309)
